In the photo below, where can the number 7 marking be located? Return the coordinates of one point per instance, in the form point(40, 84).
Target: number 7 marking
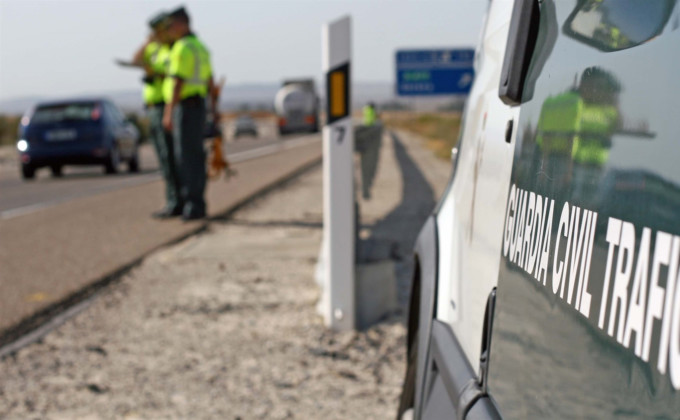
point(341, 134)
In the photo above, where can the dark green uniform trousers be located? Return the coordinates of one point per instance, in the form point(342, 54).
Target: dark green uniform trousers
point(165, 150)
point(189, 123)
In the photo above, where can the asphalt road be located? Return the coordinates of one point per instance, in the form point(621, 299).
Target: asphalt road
point(60, 236)
point(18, 197)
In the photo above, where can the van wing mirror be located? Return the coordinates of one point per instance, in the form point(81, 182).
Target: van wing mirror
point(612, 25)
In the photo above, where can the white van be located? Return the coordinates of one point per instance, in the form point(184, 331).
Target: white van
point(546, 281)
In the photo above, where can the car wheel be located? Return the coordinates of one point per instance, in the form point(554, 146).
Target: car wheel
point(56, 171)
point(111, 165)
point(133, 163)
point(27, 172)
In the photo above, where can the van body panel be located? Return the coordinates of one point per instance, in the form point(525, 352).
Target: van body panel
point(473, 210)
point(587, 318)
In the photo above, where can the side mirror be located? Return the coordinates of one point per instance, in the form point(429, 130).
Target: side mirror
point(612, 25)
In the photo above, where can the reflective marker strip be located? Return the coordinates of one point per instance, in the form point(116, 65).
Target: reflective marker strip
point(338, 100)
point(152, 58)
point(196, 79)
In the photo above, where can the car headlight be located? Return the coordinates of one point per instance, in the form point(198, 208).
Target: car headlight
point(22, 145)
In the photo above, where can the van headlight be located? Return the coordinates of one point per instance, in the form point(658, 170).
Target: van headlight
point(22, 145)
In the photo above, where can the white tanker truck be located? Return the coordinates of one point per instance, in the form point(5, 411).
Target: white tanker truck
point(297, 107)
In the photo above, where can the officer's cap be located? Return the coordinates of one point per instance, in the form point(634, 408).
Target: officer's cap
point(158, 20)
point(180, 12)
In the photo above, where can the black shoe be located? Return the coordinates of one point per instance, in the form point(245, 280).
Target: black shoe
point(190, 217)
point(165, 214)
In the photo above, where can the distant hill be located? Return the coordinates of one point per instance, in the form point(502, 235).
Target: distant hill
point(249, 96)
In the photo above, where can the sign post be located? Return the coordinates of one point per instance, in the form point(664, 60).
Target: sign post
point(338, 302)
point(434, 72)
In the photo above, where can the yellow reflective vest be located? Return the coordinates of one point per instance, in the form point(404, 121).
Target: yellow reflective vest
point(155, 57)
point(369, 115)
point(569, 126)
point(189, 60)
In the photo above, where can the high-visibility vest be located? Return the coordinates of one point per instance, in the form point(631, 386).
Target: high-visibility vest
point(189, 61)
point(155, 57)
point(598, 123)
point(369, 115)
point(559, 123)
point(570, 126)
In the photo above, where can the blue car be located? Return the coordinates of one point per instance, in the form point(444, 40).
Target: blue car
point(76, 132)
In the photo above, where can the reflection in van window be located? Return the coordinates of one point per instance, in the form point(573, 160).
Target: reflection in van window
point(618, 24)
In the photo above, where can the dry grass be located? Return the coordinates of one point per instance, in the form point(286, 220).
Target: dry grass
point(226, 116)
point(8, 128)
point(440, 129)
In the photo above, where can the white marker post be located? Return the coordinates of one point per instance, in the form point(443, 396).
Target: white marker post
point(338, 178)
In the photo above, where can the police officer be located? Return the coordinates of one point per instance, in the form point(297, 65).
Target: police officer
point(575, 130)
point(370, 114)
point(600, 118)
point(153, 56)
point(185, 88)
point(367, 142)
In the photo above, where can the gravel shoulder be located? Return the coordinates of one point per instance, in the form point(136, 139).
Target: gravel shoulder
point(223, 324)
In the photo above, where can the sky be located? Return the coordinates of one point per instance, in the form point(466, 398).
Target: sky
point(52, 48)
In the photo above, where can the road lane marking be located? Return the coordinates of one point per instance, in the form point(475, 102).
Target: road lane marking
point(32, 208)
point(232, 157)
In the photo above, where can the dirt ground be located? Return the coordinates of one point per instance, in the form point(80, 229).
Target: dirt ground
point(223, 326)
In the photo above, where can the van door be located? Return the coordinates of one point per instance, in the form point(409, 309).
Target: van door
point(588, 303)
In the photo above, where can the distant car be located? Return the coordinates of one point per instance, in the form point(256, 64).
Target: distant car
point(245, 125)
point(76, 132)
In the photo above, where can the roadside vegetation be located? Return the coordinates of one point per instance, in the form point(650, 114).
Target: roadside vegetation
point(439, 129)
point(9, 125)
point(254, 113)
point(141, 121)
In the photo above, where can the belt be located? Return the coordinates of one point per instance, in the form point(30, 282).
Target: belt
point(195, 100)
point(155, 105)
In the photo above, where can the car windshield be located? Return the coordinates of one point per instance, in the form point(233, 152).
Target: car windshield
point(82, 111)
